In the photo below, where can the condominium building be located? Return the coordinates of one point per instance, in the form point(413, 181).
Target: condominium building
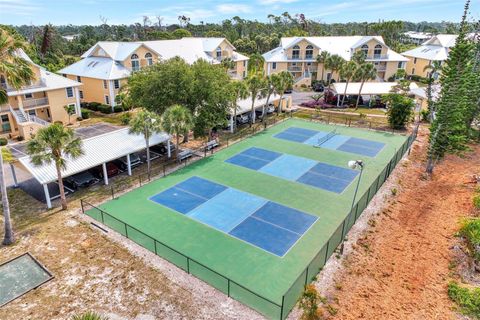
point(106, 66)
point(434, 49)
point(39, 103)
point(298, 55)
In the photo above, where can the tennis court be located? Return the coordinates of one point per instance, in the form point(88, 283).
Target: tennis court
point(259, 219)
point(332, 140)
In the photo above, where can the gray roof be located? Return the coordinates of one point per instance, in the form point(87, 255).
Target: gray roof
point(97, 150)
point(97, 67)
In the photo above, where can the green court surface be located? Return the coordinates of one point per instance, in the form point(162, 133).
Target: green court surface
point(266, 282)
point(20, 275)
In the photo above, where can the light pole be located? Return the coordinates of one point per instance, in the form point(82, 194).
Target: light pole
point(355, 164)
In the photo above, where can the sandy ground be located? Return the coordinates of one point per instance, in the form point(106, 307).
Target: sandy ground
point(399, 266)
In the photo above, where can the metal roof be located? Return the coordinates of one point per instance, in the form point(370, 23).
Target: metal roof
point(97, 150)
point(369, 88)
point(245, 105)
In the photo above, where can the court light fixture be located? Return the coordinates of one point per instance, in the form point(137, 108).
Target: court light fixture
point(355, 164)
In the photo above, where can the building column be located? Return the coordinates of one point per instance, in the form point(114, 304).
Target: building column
point(169, 150)
point(111, 92)
point(105, 175)
point(47, 196)
point(268, 68)
point(77, 104)
point(129, 165)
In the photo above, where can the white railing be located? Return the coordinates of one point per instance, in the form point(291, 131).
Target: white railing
point(38, 120)
point(29, 103)
point(294, 69)
point(4, 107)
point(377, 57)
point(38, 84)
point(16, 116)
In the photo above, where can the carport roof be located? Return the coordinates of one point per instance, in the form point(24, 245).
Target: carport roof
point(245, 105)
point(97, 150)
point(369, 88)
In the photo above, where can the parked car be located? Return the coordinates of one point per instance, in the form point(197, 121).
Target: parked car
point(318, 87)
point(243, 118)
point(82, 179)
point(259, 114)
point(162, 148)
point(270, 108)
point(289, 90)
point(153, 155)
point(112, 170)
point(134, 161)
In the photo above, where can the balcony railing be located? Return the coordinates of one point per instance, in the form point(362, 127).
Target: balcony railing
point(298, 57)
point(31, 103)
point(40, 83)
point(294, 69)
point(381, 68)
point(377, 57)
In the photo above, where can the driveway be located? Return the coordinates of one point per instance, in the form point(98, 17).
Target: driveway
point(300, 96)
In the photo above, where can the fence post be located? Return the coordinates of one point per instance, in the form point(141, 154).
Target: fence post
point(228, 288)
point(281, 310)
point(81, 204)
point(306, 276)
point(113, 193)
point(164, 170)
point(126, 232)
point(101, 215)
point(188, 265)
point(140, 179)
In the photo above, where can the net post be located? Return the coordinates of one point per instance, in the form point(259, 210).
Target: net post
point(188, 265)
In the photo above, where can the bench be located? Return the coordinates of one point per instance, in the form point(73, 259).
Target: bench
point(185, 154)
point(211, 144)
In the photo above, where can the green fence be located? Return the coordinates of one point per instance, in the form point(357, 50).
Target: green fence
point(228, 286)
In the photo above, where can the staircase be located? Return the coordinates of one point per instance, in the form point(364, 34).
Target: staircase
point(19, 115)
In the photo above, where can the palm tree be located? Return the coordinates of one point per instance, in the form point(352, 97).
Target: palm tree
point(17, 72)
point(322, 59)
point(434, 68)
point(347, 72)
point(146, 123)
point(239, 91)
point(9, 237)
point(282, 82)
point(363, 73)
point(228, 64)
point(177, 120)
point(268, 90)
point(54, 144)
point(334, 63)
point(256, 84)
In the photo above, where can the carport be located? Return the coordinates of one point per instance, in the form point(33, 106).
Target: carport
point(98, 150)
point(368, 89)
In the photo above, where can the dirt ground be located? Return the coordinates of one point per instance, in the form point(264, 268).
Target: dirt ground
point(400, 265)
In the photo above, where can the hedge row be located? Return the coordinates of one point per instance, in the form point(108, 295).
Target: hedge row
point(103, 108)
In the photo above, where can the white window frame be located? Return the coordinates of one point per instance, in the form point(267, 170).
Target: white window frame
point(79, 79)
point(116, 84)
point(105, 84)
point(107, 99)
point(149, 58)
point(296, 52)
point(309, 52)
point(68, 95)
point(377, 47)
point(218, 53)
point(274, 66)
point(135, 62)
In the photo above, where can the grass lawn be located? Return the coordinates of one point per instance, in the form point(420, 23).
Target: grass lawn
point(268, 275)
point(367, 111)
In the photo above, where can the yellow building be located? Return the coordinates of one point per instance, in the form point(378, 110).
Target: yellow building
point(298, 55)
point(434, 49)
point(106, 66)
point(38, 104)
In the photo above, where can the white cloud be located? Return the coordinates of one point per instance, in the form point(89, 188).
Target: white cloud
point(267, 2)
point(18, 7)
point(233, 8)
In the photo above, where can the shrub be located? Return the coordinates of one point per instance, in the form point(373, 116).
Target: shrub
point(89, 316)
point(424, 114)
point(79, 118)
point(470, 230)
point(20, 138)
point(125, 118)
point(103, 108)
point(118, 108)
point(3, 141)
point(85, 113)
point(400, 110)
point(309, 303)
point(83, 104)
point(467, 299)
point(303, 85)
point(93, 106)
point(476, 201)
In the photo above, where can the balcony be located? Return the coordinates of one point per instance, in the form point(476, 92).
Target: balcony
point(308, 56)
point(381, 68)
point(377, 57)
point(38, 84)
point(32, 103)
point(294, 69)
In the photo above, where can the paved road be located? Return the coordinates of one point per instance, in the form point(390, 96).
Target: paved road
point(299, 96)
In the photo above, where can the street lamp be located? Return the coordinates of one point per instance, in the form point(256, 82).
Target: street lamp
point(355, 164)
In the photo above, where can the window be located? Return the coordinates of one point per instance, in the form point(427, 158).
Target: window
point(105, 84)
point(135, 62)
point(116, 84)
point(244, 74)
point(69, 91)
point(219, 53)
point(245, 63)
point(79, 79)
point(3, 81)
point(5, 123)
point(28, 96)
point(400, 65)
point(413, 70)
point(149, 58)
point(81, 94)
point(377, 52)
point(32, 112)
point(364, 49)
point(309, 52)
point(274, 65)
point(296, 52)
point(415, 61)
point(107, 99)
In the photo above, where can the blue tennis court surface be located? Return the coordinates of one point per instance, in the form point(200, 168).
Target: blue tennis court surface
point(293, 168)
point(335, 141)
point(265, 224)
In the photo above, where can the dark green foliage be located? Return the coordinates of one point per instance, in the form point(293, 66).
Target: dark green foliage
point(3, 141)
point(118, 108)
point(400, 110)
point(85, 113)
point(103, 108)
point(93, 106)
point(467, 299)
point(424, 114)
point(470, 231)
point(90, 315)
point(125, 118)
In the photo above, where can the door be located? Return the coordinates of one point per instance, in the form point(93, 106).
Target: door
point(5, 123)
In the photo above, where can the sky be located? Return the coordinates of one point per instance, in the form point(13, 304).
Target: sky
point(79, 12)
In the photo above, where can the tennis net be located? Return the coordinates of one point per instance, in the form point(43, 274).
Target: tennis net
point(324, 139)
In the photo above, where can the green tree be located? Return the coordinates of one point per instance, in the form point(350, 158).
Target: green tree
point(268, 90)
point(146, 123)
point(347, 72)
point(70, 109)
point(228, 64)
point(181, 33)
point(282, 82)
point(256, 63)
point(322, 59)
point(55, 143)
point(239, 90)
point(400, 110)
point(364, 73)
point(177, 120)
point(434, 68)
point(334, 63)
point(256, 85)
point(9, 237)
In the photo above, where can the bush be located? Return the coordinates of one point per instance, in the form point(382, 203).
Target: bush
point(303, 85)
point(85, 113)
point(89, 316)
point(470, 231)
point(3, 141)
point(79, 118)
point(103, 108)
point(83, 104)
point(118, 108)
point(400, 110)
point(125, 118)
point(94, 106)
point(424, 114)
point(20, 138)
point(467, 299)
point(476, 201)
